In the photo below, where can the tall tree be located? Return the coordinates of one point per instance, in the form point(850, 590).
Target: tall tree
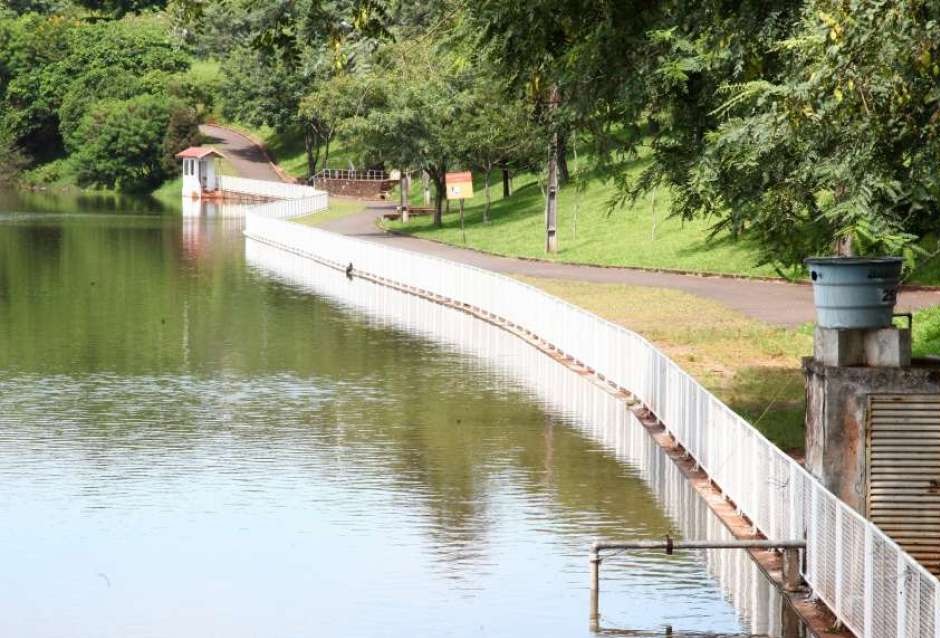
point(836, 150)
point(419, 92)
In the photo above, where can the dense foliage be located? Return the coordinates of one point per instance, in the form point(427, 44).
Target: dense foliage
point(63, 77)
point(803, 126)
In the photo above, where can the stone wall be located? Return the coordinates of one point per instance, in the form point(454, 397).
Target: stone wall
point(357, 188)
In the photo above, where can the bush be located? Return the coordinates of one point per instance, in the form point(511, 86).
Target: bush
point(12, 161)
point(122, 143)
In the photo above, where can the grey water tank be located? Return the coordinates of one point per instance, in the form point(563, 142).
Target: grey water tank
point(854, 292)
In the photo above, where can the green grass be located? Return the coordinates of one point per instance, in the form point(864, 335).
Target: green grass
point(926, 332)
point(750, 365)
point(753, 367)
point(338, 208)
point(639, 236)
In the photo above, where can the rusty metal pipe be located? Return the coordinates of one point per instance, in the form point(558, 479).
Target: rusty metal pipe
point(664, 545)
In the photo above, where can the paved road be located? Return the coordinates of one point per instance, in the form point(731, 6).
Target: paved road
point(245, 156)
point(775, 302)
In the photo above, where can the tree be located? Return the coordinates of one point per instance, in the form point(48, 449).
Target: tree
point(839, 152)
point(58, 68)
point(418, 92)
point(12, 161)
point(120, 8)
point(293, 48)
point(263, 89)
point(496, 131)
point(123, 143)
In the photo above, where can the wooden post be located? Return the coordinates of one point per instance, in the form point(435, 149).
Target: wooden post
point(791, 569)
point(463, 233)
point(551, 200)
point(595, 616)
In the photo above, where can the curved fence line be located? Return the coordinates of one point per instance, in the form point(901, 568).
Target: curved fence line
point(582, 403)
point(271, 190)
point(874, 587)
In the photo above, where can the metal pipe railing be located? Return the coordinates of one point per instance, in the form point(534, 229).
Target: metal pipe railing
point(790, 572)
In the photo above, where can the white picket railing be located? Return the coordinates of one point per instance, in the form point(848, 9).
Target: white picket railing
point(875, 588)
point(271, 190)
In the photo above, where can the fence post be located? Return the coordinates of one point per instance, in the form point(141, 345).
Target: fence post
point(791, 569)
point(595, 616)
point(837, 578)
point(901, 596)
point(868, 594)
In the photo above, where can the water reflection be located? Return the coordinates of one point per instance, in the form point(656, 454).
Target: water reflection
point(584, 406)
point(191, 447)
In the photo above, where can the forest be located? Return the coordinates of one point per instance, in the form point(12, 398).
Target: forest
point(803, 127)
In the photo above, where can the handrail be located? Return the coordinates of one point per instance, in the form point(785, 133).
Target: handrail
point(352, 174)
point(872, 586)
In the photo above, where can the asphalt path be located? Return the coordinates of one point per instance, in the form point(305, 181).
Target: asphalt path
point(245, 156)
point(775, 302)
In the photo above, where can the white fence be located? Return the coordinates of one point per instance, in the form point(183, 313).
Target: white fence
point(873, 586)
point(369, 175)
point(272, 190)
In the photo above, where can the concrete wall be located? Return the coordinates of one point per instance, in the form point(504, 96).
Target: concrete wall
point(836, 419)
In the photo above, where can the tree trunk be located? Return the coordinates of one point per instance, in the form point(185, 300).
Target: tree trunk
point(507, 184)
point(486, 189)
point(563, 173)
point(311, 147)
point(844, 247)
point(326, 149)
point(437, 175)
point(426, 183)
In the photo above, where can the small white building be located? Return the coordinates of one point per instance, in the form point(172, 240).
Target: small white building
point(200, 172)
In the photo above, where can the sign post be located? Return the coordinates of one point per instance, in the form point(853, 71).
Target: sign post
point(459, 187)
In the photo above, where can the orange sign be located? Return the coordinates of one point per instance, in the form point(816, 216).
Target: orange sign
point(459, 185)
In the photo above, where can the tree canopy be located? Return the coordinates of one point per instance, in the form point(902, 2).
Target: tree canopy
point(803, 126)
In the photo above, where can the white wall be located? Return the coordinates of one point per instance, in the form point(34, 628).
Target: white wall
point(191, 186)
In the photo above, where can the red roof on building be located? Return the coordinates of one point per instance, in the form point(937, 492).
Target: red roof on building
point(198, 152)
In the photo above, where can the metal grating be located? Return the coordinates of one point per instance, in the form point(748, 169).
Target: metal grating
point(904, 472)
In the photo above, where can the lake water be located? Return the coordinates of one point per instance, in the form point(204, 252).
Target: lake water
point(203, 437)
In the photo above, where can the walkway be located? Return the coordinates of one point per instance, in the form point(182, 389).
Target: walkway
point(245, 156)
point(775, 302)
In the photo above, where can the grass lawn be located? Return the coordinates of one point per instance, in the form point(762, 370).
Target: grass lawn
point(170, 192)
point(751, 366)
point(639, 236)
point(337, 208)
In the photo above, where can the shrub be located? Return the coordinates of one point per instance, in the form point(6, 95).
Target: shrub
point(122, 142)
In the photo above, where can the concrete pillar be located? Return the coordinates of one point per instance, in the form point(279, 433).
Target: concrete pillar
point(837, 412)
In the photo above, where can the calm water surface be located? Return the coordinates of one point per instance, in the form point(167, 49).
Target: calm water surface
point(197, 441)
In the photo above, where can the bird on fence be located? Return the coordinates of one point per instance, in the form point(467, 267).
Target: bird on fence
point(349, 271)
